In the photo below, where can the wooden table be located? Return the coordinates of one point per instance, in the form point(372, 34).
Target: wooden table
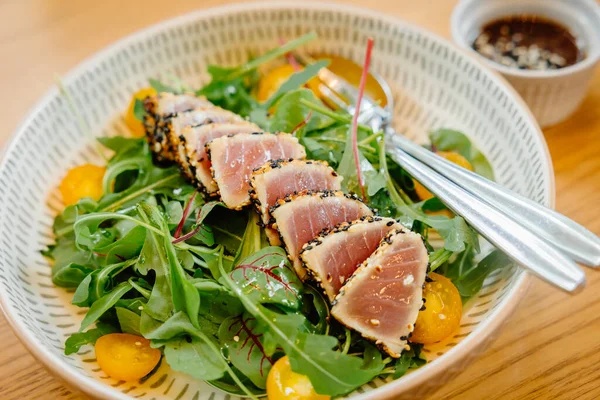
point(550, 348)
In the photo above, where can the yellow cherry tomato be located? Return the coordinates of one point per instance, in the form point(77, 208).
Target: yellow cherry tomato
point(451, 156)
point(442, 314)
point(136, 126)
point(126, 357)
point(82, 181)
point(351, 72)
point(285, 384)
point(269, 83)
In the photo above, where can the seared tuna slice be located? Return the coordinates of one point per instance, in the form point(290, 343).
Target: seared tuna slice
point(277, 179)
point(160, 109)
point(196, 117)
point(234, 157)
point(191, 153)
point(383, 297)
point(333, 256)
point(300, 218)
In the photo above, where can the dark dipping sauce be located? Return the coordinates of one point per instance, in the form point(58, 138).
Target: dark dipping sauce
point(528, 42)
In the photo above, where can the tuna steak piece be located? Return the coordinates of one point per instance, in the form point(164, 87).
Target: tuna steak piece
point(277, 179)
point(160, 109)
point(191, 153)
point(333, 256)
point(300, 218)
point(196, 117)
point(234, 157)
point(383, 297)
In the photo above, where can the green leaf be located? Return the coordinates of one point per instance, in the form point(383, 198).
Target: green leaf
point(331, 372)
point(409, 359)
point(245, 349)
point(153, 257)
point(82, 296)
point(178, 325)
point(123, 248)
point(174, 211)
point(469, 281)
point(103, 304)
point(266, 277)
point(138, 110)
point(452, 140)
point(252, 241)
point(236, 72)
point(295, 81)
point(195, 358)
point(185, 296)
point(290, 112)
point(161, 87)
point(128, 320)
point(76, 340)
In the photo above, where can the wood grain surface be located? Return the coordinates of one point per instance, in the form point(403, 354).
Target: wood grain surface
point(549, 349)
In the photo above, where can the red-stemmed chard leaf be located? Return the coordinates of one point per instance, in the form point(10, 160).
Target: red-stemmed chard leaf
point(266, 277)
point(202, 214)
point(186, 212)
point(361, 91)
point(302, 123)
point(245, 349)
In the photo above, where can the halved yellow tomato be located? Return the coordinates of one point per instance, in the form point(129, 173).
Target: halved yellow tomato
point(269, 83)
point(442, 314)
point(126, 357)
point(285, 384)
point(351, 72)
point(136, 126)
point(82, 181)
point(341, 66)
point(451, 156)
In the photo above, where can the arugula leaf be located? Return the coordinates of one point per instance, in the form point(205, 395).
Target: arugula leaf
point(331, 372)
point(252, 241)
point(195, 358)
point(295, 81)
point(469, 278)
point(244, 348)
point(179, 326)
point(76, 340)
point(153, 257)
point(409, 359)
point(123, 248)
point(133, 160)
point(128, 320)
point(266, 277)
point(291, 112)
point(185, 295)
point(139, 110)
point(161, 87)
point(71, 265)
point(103, 304)
point(452, 140)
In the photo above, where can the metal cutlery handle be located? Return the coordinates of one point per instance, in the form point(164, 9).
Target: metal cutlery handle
point(523, 246)
point(567, 235)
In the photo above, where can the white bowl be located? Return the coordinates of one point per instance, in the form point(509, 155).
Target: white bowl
point(552, 95)
point(436, 85)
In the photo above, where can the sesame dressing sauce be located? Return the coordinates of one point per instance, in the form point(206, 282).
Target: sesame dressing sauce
point(528, 42)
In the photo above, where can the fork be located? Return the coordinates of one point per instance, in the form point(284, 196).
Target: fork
point(535, 237)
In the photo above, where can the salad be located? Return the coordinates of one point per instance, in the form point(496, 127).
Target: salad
point(296, 263)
